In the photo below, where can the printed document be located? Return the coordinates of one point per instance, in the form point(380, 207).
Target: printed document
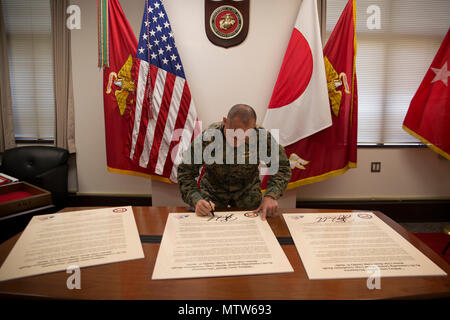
point(228, 244)
point(54, 242)
point(354, 245)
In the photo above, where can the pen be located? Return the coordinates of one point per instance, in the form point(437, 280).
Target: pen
point(212, 211)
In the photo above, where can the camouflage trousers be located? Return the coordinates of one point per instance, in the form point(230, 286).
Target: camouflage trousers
point(248, 200)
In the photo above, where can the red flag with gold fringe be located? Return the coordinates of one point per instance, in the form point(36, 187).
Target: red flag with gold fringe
point(117, 56)
point(428, 117)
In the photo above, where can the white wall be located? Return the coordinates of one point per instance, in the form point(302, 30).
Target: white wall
point(220, 78)
point(405, 174)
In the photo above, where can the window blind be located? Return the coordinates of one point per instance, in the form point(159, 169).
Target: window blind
point(29, 40)
point(392, 60)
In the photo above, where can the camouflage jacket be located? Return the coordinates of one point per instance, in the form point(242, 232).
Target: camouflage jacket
point(231, 180)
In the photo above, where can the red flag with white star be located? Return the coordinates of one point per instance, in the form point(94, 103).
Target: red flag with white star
point(428, 117)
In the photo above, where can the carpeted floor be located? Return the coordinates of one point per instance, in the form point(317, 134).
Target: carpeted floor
point(437, 242)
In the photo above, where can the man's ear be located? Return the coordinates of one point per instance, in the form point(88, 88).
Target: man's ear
point(224, 121)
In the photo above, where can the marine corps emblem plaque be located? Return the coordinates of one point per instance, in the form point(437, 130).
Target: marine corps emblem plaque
point(226, 21)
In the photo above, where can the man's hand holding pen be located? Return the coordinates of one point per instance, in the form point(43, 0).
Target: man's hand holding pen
point(204, 207)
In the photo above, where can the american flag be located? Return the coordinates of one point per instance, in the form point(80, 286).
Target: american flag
point(163, 101)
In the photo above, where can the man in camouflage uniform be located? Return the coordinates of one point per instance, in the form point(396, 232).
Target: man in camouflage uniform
point(234, 183)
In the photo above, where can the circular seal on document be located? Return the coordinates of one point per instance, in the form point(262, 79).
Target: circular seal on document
point(119, 210)
point(226, 22)
point(364, 216)
point(251, 214)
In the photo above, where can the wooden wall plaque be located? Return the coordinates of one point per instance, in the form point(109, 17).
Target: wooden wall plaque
point(227, 21)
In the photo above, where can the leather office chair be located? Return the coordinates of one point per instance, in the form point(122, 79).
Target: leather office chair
point(447, 232)
point(42, 166)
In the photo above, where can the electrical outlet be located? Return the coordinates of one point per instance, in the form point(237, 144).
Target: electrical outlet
point(375, 167)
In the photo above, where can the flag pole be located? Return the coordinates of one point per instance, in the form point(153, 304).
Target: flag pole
point(103, 33)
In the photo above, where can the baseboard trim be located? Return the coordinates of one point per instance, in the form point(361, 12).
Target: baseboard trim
point(76, 200)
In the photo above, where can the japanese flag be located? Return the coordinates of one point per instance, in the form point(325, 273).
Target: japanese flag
point(299, 106)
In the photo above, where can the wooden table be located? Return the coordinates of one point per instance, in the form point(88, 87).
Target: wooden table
point(132, 279)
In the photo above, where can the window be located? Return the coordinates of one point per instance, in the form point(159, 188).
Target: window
point(30, 58)
point(391, 61)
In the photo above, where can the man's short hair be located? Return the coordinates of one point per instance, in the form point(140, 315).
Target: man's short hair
point(244, 112)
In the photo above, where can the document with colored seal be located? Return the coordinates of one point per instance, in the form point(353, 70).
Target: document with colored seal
point(226, 244)
point(57, 242)
point(354, 245)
